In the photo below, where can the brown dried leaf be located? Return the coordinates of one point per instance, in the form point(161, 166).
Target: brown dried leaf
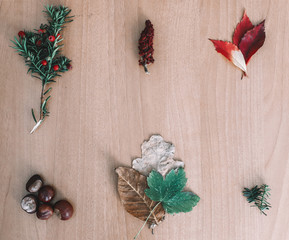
point(131, 186)
point(157, 154)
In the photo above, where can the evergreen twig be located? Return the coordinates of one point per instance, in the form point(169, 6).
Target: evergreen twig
point(259, 196)
point(41, 52)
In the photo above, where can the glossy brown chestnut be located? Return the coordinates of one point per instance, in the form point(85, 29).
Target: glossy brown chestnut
point(63, 209)
point(46, 193)
point(29, 203)
point(34, 183)
point(44, 211)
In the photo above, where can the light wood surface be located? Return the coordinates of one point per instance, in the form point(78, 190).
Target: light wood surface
point(230, 133)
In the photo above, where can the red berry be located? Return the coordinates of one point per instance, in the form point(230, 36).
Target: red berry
point(58, 35)
point(38, 43)
point(44, 62)
point(69, 66)
point(42, 31)
point(55, 67)
point(51, 38)
point(21, 34)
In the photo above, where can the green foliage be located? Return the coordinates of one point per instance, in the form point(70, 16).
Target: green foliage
point(57, 17)
point(168, 191)
point(35, 47)
point(181, 202)
point(259, 196)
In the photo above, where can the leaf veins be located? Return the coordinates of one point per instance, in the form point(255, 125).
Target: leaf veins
point(131, 188)
point(168, 191)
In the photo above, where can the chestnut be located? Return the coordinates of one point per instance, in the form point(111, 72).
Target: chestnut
point(46, 193)
point(63, 209)
point(34, 183)
point(29, 203)
point(44, 211)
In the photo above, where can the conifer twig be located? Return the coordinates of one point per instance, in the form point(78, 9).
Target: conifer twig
point(259, 196)
point(41, 52)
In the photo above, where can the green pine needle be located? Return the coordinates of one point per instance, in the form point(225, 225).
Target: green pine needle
point(35, 47)
point(259, 196)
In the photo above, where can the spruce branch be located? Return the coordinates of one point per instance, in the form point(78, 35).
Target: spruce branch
point(259, 196)
point(41, 52)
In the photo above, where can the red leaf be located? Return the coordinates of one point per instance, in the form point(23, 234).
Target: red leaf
point(231, 52)
point(224, 48)
point(252, 41)
point(243, 26)
point(247, 39)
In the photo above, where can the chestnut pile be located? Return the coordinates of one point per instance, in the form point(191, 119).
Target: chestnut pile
point(41, 204)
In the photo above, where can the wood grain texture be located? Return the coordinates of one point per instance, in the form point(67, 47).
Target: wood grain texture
point(229, 132)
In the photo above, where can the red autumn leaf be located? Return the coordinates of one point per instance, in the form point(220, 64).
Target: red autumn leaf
point(247, 39)
point(252, 41)
point(244, 26)
point(231, 52)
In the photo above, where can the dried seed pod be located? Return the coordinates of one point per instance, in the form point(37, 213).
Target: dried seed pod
point(34, 183)
point(145, 47)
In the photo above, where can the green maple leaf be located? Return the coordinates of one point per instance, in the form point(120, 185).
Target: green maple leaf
point(168, 191)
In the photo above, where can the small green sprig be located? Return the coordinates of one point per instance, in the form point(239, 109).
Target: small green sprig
point(41, 52)
point(259, 196)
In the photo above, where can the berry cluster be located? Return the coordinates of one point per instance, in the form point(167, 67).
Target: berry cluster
point(146, 49)
point(41, 40)
point(41, 204)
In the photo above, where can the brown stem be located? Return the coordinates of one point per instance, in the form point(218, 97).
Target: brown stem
point(41, 100)
point(146, 68)
point(147, 219)
point(41, 118)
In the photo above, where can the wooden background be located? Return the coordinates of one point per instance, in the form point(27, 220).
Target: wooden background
point(230, 133)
